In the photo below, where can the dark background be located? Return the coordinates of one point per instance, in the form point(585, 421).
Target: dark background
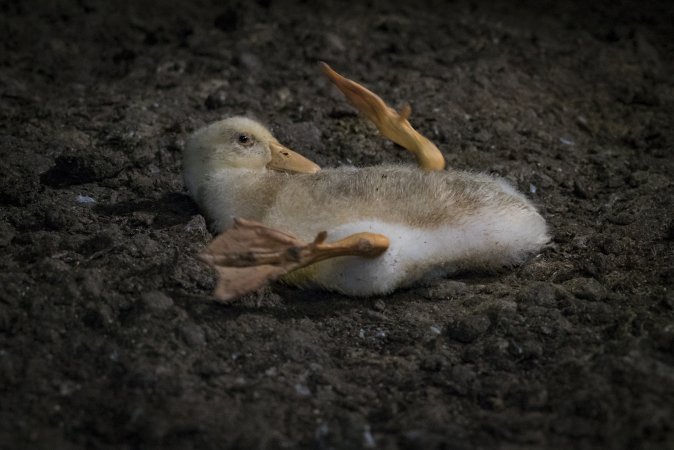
point(108, 338)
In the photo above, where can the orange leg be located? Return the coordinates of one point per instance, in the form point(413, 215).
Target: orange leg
point(250, 254)
point(391, 124)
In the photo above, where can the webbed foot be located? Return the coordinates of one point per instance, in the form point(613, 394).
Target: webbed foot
point(390, 123)
point(250, 254)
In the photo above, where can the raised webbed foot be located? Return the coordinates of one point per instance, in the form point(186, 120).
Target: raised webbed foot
point(250, 254)
point(390, 123)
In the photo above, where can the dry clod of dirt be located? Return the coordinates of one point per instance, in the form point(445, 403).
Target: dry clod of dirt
point(156, 301)
point(468, 329)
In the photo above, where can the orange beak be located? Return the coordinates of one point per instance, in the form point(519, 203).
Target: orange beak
point(285, 160)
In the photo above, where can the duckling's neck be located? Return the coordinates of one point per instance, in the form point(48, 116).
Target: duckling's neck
point(230, 193)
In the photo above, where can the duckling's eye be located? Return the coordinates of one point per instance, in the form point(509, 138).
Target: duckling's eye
point(245, 140)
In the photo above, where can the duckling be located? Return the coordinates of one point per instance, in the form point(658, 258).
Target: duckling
point(394, 225)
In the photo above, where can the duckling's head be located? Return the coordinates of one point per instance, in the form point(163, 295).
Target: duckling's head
point(237, 143)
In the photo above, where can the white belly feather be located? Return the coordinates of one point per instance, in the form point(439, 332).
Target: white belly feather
point(472, 221)
point(486, 240)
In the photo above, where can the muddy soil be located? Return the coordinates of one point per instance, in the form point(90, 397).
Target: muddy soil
point(108, 336)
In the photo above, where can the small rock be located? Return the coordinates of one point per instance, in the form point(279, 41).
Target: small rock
point(57, 219)
point(504, 126)
point(580, 190)
point(216, 100)
point(284, 95)
point(98, 315)
point(483, 136)
point(85, 200)
point(302, 390)
point(143, 218)
point(539, 293)
point(18, 189)
point(435, 329)
point(392, 23)
point(249, 61)
point(622, 218)
point(529, 349)
point(497, 309)
point(596, 265)
point(668, 300)
point(586, 288)
point(380, 334)
point(145, 245)
point(169, 73)
point(9, 372)
point(462, 377)
point(664, 337)
point(7, 233)
point(83, 167)
point(368, 438)
point(638, 178)
point(529, 397)
point(375, 315)
point(500, 347)
point(468, 329)
point(5, 320)
point(536, 398)
point(92, 283)
point(335, 42)
point(197, 225)
point(445, 290)
point(432, 363)
point(156, 301)
point(193, 335)
point(423, 438)
point(227, 21)
point(648, 54)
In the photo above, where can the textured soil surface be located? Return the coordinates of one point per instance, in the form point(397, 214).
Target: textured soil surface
point(108, 335)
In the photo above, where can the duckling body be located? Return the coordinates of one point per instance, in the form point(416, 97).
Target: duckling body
point(437, 222)
point(394, 224)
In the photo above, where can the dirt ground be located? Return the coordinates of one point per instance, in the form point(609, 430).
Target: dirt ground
point(108, 336)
